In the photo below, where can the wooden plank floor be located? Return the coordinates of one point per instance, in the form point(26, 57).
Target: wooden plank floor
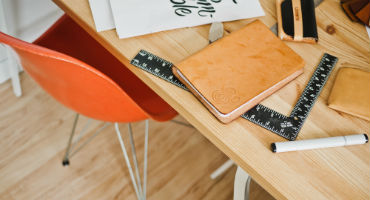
point(34, 130)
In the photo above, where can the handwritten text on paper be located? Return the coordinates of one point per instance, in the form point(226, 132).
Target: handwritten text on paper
point(203, 8)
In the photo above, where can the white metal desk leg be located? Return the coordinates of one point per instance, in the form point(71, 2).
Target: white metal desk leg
point(241, 185)
point(222, 169)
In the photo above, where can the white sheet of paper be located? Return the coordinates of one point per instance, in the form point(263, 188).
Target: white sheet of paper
point(368, 30)
point(102, 14)
point(139, 17)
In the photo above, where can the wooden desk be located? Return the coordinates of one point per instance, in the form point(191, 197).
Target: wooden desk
point(336, 173)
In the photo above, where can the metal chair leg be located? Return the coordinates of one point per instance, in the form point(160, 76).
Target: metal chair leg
point(134, 158)
point(136, 181)
point(127, 160)
point(140, 191)
point(70, 146)
point(146, 155)
point(66, 156)
point(88, 140)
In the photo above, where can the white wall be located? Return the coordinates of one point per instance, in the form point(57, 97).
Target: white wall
point(26, 19)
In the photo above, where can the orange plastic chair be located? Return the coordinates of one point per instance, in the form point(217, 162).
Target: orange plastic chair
point(61, 61)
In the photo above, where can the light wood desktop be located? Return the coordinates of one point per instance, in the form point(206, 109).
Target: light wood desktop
point(333, 173)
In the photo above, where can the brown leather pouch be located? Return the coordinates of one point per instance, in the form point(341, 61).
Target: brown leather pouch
point(351, 92)
point(296, 20)
point(357, 10)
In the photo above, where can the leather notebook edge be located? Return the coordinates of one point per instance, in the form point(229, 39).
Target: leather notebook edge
point(228, 117)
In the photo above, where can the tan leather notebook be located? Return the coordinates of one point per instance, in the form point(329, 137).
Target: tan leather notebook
point(235, 73)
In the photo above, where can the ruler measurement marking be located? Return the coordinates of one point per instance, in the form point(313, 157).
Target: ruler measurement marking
point(285, 126)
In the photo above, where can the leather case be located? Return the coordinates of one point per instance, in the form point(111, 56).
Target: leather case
point(357, 10)
point(351, 92)
point(235, 73)
point(348, 11)
point(296, 20)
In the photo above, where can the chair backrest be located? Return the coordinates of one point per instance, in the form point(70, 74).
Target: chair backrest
point(76, 84)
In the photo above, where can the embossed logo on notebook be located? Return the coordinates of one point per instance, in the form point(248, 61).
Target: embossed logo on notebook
point(225, 96)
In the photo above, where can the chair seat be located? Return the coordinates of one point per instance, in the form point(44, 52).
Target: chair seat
point(67, 37)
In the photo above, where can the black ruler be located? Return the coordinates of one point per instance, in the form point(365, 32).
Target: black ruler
point(285, 126)
point(156, 66)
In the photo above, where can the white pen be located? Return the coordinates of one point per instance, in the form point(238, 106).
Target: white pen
point(278, 147)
